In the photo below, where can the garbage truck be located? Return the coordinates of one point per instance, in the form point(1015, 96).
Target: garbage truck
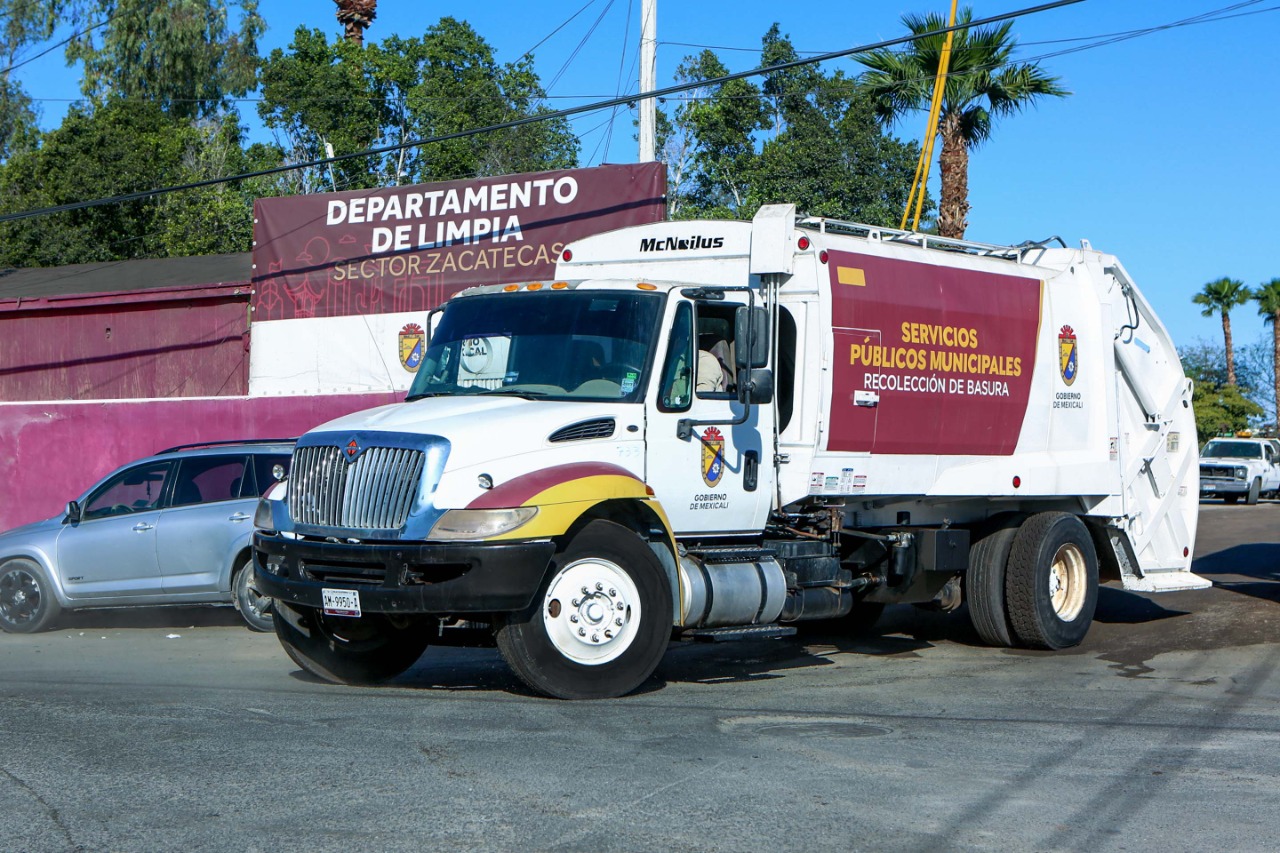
point(719, 430)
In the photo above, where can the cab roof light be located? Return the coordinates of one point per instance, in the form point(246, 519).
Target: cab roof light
point(537, 285)
point(510, 287)
point(644, 285)
point(560, 285)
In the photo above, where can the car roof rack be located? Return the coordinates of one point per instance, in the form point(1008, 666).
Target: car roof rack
point(226, 443)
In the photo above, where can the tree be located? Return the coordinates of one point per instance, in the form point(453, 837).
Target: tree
point(355, 17)
point(982, 86)
point(801, 137)
point(120, 147)
point(180, 54)
point(22, 23)
point(1268, 298)
point(355, 98)
point(1220, 296)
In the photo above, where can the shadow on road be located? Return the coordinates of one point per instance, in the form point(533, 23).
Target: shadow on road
point(150, 617)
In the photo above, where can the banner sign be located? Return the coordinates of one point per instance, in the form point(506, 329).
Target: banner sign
point(929, 359)
point(409, 248)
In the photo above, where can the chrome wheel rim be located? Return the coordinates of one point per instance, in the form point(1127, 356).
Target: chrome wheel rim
point(19, 596)
point(590, 611)
point(258, 604)
point(1067, 582)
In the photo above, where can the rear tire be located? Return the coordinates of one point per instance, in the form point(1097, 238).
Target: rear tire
point(1052, 581)
point(363, 650)
point(600, 622)
point(253, 606)
point(27, 600)
point(984, 585)
point(1255, 490)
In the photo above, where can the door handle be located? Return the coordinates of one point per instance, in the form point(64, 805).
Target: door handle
point(142, 527)
point(238, 516)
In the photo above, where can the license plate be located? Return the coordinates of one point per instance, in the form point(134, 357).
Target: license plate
point(341, 602)
point(1209, 488)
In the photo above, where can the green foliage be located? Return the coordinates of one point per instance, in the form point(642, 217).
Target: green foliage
point(1221, 410)
point(448, 81)
point(123, 147)
point(180, 54)
point(801, 137)
point(1221, 295)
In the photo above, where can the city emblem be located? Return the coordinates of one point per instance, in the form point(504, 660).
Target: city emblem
point(1067, 354)
point(712, 456)
point(412, 342)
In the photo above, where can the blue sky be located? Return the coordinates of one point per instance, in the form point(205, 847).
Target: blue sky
point(1164, 155)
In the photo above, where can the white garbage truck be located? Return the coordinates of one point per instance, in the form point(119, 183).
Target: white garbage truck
point(718, 430)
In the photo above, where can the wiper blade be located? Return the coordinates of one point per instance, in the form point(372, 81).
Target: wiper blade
point(516, 392)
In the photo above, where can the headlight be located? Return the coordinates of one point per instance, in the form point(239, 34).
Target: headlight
point(480, 523)
point(1241, 473)
point(262, 516)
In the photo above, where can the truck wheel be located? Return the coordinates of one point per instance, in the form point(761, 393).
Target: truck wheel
point(363, 650)
point(600, 622)
point(1051, 581)
point(253, 606)
point(27, 602)
point(984, 585)
point(1255, 489)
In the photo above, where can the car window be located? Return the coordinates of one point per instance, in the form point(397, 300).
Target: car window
point(208, 479)
point(263, 463)
point(136, 490)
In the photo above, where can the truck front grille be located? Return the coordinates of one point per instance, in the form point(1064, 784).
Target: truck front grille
point(374, 492)
point(1218, 472)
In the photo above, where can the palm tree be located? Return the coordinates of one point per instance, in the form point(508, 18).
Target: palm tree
point(981, 86)
point(355, 17)
point(1220, 297)
point(1268, 298)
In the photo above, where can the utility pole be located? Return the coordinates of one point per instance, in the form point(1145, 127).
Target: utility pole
point(648, 78)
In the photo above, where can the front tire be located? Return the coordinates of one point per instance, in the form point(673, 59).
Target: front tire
point(601, 620)
point(253, 606)
point(363, 650)
point(1255, 490)
point(1052, 581)
point(27, 601)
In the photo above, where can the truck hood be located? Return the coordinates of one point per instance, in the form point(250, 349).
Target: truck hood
point(455, 418)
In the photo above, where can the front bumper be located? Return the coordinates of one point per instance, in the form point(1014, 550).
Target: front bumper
point(1223, 487)
point(404, 578)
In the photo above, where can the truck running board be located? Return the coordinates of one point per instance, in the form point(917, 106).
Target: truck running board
point(739, 632)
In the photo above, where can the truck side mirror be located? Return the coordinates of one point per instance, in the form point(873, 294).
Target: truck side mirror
point(73, 512)
point(433, 321)
point(755, 386)
point(751, 324)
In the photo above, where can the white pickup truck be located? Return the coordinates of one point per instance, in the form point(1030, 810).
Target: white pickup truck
point(1232, 468)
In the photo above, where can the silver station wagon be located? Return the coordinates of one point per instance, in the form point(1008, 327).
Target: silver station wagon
point(173, 528)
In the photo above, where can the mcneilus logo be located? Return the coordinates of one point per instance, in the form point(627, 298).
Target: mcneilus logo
point(680, 244)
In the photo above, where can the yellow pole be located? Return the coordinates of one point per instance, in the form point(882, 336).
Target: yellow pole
point(931, 132)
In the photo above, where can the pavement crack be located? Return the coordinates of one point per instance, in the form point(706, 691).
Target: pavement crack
point(48, 808)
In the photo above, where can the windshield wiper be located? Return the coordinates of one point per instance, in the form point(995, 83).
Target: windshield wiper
point(516, 392)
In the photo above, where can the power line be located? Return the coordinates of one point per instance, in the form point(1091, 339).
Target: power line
point(520, 122)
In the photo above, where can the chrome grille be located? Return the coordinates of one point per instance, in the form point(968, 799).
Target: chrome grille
point(1218, 472)
point(373, 493)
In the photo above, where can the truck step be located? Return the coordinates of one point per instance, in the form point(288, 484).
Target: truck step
point(740, 632)
point(732, 554)
point(1166, 581)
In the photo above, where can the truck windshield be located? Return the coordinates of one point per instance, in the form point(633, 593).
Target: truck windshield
point(1232, 450)
point(576, 345)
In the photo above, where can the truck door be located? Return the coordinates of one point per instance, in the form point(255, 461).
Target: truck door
point(720, 481)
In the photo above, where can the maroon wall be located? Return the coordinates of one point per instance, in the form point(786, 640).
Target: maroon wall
point(169, 342)
point(51, 452)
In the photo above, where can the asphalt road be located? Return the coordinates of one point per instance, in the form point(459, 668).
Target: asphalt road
point(178, 729)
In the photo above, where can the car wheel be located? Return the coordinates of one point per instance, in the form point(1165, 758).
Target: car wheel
point(254, 607)
point(1051, 588)
point(27, 601)
point(1255, 489)
point(362, 650)
point(600, 623)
